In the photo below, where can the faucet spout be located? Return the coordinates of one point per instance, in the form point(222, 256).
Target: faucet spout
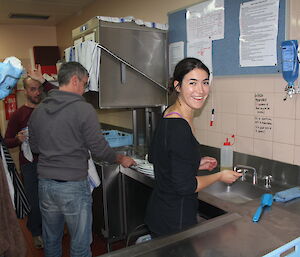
point(244, 169)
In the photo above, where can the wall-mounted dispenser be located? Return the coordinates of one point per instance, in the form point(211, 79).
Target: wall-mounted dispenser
point(290, 66)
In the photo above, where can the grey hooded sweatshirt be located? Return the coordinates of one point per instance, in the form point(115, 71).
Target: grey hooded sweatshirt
point(61, 130)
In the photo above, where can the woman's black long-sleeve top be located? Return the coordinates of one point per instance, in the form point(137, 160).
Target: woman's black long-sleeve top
point(176, 157)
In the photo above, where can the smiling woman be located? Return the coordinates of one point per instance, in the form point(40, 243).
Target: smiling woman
point(175, 154)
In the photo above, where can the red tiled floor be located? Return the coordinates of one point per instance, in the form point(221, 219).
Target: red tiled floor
point(98, 246)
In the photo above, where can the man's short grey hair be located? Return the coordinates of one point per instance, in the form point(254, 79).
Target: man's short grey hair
point(69, 69)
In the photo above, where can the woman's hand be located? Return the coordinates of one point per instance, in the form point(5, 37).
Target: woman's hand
point(208, 163)
point(229, 176)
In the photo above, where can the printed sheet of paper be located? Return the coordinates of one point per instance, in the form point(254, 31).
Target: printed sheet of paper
point(205, 20)
point(176, 54)
point(201, 50)
point(258, 33)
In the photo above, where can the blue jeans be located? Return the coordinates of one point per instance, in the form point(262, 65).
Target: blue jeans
point(71, 203)
point(34, 221)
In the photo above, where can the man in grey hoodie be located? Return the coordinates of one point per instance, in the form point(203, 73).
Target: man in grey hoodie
point(62, 129)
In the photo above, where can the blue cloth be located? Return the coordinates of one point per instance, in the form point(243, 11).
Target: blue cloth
point(71, 203)
point(9, 76)
point(287, 195)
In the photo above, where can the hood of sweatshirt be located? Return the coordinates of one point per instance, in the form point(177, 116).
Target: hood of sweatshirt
point(58, 99)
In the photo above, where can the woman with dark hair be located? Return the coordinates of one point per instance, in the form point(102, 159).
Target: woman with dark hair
point(175, 154)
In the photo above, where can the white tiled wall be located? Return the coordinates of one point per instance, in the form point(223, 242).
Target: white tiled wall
point(235, 113)
point(235, 110)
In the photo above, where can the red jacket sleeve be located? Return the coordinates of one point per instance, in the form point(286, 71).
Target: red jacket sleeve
point(12, 129)
point(48, 86)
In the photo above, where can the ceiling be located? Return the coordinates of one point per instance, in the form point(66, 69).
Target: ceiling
point(57, 10)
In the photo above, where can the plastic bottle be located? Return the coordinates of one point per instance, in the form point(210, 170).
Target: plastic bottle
point(226, 156)
point(290, 63)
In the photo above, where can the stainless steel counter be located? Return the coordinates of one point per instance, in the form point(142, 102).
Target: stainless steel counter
point(229, 235)
point(138, 176)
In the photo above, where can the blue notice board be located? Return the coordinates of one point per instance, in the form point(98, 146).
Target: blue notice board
point(226, 51)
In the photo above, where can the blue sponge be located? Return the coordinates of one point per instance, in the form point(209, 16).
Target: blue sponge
point(287, 195)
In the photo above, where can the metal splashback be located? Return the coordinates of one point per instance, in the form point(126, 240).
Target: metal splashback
point(143, 48)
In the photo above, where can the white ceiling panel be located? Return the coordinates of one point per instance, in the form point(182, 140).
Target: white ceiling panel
point(57, 10)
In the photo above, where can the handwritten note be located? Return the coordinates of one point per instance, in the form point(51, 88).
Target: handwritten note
point(263, 125)
point(262, 105)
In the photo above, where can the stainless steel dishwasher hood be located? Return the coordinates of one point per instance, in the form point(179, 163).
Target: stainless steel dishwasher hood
point(133, 72)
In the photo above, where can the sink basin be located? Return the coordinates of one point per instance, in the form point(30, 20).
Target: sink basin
point(239, 192)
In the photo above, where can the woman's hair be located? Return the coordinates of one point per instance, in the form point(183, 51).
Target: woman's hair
point(184, 67)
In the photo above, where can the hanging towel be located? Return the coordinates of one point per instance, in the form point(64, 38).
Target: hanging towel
point(20, 200)
point(8, 178)
point(77, 52)
point(93, 177)
point(287, 195)
point(25, 147)
point(88, 54)
point(69, 54)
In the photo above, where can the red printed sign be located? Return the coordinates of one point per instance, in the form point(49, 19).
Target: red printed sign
point(10, 105)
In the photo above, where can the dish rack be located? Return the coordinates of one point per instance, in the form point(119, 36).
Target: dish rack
point(117, 138)
point(291, 249)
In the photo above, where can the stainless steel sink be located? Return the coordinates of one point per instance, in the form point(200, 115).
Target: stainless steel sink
point(239, 192)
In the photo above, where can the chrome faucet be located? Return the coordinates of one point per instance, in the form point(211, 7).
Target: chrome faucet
point(244, 169)
point(268, 180)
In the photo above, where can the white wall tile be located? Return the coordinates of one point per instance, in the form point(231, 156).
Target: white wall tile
point(228, 102)
point(245, 103)
point(283, 152)
point(226, 84)
point(229, 123)
point(297, 107)
point(297, 155)
point(245, 126)
point(244, 145)
point(214, 139)
point(263, 83)
point(263, 148)
point(297, 132)
point(243, 85)
point(279, 85)
point(284, 109)
point(201, 136)
point(201, 120)
point(284, 131)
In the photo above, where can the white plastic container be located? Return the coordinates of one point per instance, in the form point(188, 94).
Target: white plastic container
point(226, 162)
